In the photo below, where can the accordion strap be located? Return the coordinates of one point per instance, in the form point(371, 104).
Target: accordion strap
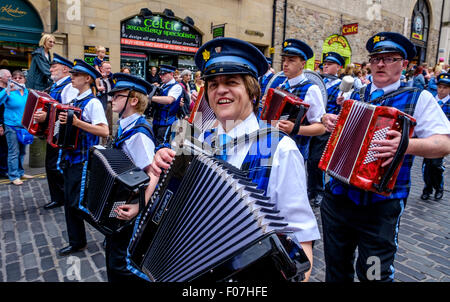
point(298, 120)
point(398, 157)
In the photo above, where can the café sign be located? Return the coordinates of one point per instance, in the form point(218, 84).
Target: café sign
point(350, 29)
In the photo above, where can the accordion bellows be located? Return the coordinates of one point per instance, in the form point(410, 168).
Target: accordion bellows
point(281, 104)
point(111, 180)
point(347, 156)
point(37, 101)
point(207, 221)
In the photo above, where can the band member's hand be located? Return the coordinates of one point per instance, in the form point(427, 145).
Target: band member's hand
point(286, 126)
point(62, 117)
point(340, 100)
point(387, 147)
point(127, 211)
point(40, 116)
point(194, 96)
point(329, 120)
point(162, 160)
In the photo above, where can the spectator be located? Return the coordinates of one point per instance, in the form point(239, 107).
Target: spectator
point(186, 76)
point(418, 78)
point(14, 106)
point(100, 58)
point(154, 77)
point(107, 85)
point(38, 76)
point(125, 70)
point(5, 75)
point(432, 83)
point(199, 83)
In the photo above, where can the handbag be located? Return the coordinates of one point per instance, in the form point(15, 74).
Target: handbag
point(23, 136)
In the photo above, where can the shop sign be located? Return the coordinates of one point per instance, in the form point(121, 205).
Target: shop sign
point(337, 39)
point(417, 36)
point(218, 31)
point(90, 54)
point(159, 31)
point(350, 29)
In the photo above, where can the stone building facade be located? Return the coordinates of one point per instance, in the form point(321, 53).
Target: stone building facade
point(80, 25)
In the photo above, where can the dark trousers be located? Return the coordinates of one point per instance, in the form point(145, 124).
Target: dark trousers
point(115, 254)
point(54, 178)
point(373, 229)
point(316, 177)
point(160, 134)
point(433, 174)
point(3, 156)
point(74, 221)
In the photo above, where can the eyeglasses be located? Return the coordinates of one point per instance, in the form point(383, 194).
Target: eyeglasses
point(386, 60)
point(117, 95)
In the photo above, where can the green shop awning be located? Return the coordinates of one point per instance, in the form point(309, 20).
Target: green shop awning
point(19, 22)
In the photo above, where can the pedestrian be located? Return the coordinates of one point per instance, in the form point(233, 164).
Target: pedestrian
point(154, 77)
point(135, 138)
point(14, 102)
point(92, 125)
point(63, 92)
point(5, 75)
point(38, 76)
point(433, 168)
point(418, 78)
point(353, 218)
point(232, 75)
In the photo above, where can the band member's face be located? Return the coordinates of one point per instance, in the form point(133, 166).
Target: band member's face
point(56, 71)
point(119, 100)
point(331, 68)
point(386, 74)
point(80, 81)
point(166, 77)
point(228, 98)
point(292, 66)
point(443, 91)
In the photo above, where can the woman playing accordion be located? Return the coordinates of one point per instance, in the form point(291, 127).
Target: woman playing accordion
point(231, 68)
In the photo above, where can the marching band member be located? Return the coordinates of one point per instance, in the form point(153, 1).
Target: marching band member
point(231, 68)
point(354, 218)
point(93, 124)
point(295, 53)
point(135, 138)
point(63, 92)
point(433, 168)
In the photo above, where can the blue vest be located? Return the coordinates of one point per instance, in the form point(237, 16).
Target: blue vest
point(333, 94)
point(260, 153)
point(263, 81)
point(56, 90)
point(165, 115)
point(405, 102)
point(446, 108)
point(85, 139)
point(137, 128)
point(302, 142)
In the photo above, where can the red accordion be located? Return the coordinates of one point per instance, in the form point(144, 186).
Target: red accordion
point(347, 156)
point(37, 101)
point(63, 136)
point(282, 105)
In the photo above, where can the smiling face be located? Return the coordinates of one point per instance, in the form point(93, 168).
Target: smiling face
point(386, 74)
point(229, 99)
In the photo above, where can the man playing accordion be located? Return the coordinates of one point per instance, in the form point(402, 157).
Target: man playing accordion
point(231, 68)
point(355, 218)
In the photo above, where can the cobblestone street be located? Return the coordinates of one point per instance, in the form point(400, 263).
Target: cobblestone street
point(31, 236)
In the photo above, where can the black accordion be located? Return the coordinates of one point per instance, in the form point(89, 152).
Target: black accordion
point(207, 222)
point(111, 180)
point(63, 136)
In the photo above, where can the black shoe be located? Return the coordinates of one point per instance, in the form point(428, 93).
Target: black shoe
point(425, 196)
point(70, 250)
point(52, 205)
point(438, 195)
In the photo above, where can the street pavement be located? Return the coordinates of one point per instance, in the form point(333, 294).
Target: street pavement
point(30, 237)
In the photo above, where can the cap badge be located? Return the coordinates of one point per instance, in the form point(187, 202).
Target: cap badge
point(376, 39)
point(206, 55)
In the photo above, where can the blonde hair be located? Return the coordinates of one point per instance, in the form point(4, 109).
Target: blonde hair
point(99, 47)
point(45, 38)
point(142, 101)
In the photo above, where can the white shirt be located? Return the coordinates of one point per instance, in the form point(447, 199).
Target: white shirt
point(68, 93)
point(313, 97)
point(175, 91)
point(429, 116)
point(139, 147)
point(287, 182)
point(93, 112)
